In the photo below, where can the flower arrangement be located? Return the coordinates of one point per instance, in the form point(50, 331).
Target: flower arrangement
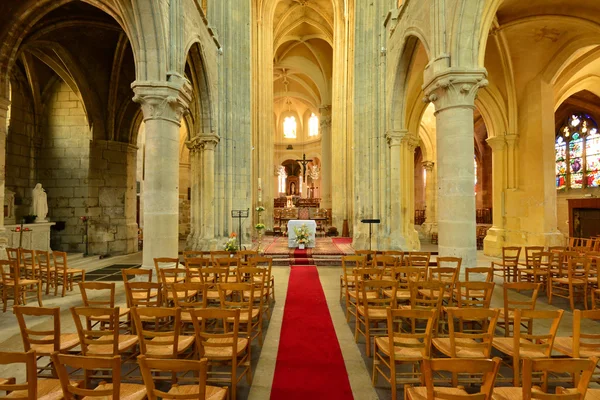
point(302, 234)
point(231, 244)
point(259, 226)
point(260, 209)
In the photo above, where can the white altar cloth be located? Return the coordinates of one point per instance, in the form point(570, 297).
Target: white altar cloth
point(35, 236)
point(312, 227)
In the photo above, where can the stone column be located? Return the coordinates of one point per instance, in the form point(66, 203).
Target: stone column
point(4, 104)
point(430, 197)
point(196, 190)
point(453, 94)
point(408, 144)
point(163, 104)
point(494, 240)
point(325, 129)
point(397, 240)
point(208, 143)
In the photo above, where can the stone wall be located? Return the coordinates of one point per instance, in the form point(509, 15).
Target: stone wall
point(112, 222)
point(63, 166)
point(20, 160)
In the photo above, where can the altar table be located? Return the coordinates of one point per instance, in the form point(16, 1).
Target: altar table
point(312, 228)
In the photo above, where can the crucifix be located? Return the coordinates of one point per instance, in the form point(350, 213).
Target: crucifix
point(304, 163)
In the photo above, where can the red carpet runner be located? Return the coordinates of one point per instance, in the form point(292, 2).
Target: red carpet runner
point(309, 360)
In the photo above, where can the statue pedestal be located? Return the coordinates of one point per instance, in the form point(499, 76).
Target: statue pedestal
point(36, 238)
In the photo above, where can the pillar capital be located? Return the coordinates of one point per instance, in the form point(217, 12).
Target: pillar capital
point(203, 142)
point(325, 110)
point(511, 139)
point(163, 100)
point(454, 88)
point(497, 143)
point(428, 165)
point(411, 142)
point(394, 137)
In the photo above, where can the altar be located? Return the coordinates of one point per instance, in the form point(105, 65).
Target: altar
point(312, 227)
point(34, 236)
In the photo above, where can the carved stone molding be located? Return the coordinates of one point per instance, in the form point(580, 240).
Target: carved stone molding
point(428, 165)
point(203, 142)
point(454, 89)
point(163, 100)
point(497, 143)
point(325, 122)
point(411, 142)
point(394, 138)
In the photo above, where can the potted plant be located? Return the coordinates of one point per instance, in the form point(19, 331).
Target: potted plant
point(302, 236)
point(231, 244)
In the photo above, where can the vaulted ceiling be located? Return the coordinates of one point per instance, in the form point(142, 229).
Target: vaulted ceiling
point(303, 56)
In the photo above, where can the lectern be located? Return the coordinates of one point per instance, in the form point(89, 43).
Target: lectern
point(370, 222)
point(240, 214)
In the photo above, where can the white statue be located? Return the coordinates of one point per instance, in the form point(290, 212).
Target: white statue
point(314, 172)
point(40, 203)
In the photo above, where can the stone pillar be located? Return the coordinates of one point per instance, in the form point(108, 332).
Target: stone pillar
point(430, 198)
point(203, 192)
point(494, 240)
point(325, 129)
point(408, 144)
point(163, 104)
point(397, 215)
point(453, 94)
point(4, 104)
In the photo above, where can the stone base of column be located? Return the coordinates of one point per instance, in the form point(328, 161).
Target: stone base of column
point(493, 242)
point(412, 240)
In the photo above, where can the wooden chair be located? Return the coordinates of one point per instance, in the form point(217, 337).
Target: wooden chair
point(100, 294)
point(473, 294)
point(267, 263)
point(28, 265)
point(417, 259)
point(193, 266)
point(136, 275)
point(151, 369)
point(46, 269)
point(33, 388)
point(349, 263)
point(165, 340)
point(240, 296)
point(169, 276)
point(12, 281)
point(508, 266)
point(195, 254)
point(104, 342)
point(571, 282)
point(189, 296)
point(143, 294)
point(245, 256)
point(403, 276)
point(489, 369)
point(258, 277)
point(403, 344)
point(220, 254)
point(582, 369)
point(65, 276)
point(511, 304)
point(397, 254)
point(354, 292)
point(539, 270)
point(529, 257)
point(446, 275)
point(425, 295)
point(386, 264)
point(580, 344)
point(468, 344)
point(113, 390)
point(231, 263)
point(527, 345)
point(44, 341)
point(220, 345)
point(13, 254)
point(367, 254)
point(371, 308)
point(213, 277)
point(165, 262)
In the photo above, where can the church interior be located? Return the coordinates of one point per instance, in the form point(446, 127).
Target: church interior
point(336, 199)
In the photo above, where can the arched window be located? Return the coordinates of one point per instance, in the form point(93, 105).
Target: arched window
point(578, 153)
point(8, 112)
point(475, 170)
point(313, 125)
point(289, 128)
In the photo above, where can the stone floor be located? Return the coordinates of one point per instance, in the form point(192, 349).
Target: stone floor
point(357, 365)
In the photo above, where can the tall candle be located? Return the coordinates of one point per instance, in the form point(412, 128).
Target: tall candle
point(259, 190)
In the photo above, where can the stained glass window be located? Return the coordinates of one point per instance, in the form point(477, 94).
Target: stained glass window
point(289, 127)
point(577, 149)
point(313, 125)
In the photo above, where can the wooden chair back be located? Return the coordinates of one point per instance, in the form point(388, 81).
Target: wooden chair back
point(43, 260)
point(214, 275)
point(368, 254)
point(246, 255)
point(466, 342)
point(106, 335)
point(395, 253)
point(197, 263)
point(449, 262)
point(195, 254)
point(39, 337)
point(189, 295)
point(166, 324)
point(349, 263)
point(405, 275)
point(156, 368)
point(543, 260)
point(385, 262)
point(377, 295)
point(474, 294)
point(87, 364)
point(485, 274)
point(585, 343)
point(104, 294)
point(511, 304)
point(60, 260)
point(581, 368)
point(13, 254)
point(216, 328)
point(578, 268)
point(219, 254)
point(529, 252)
point(417, 259)
point(136, 274)
point(165, 262)
point(27, 262)
point(364, 274)
point(427, 295)
point(539, 341)
point(11, 272)
point(511, 255)
point(489, 369)
point(410, 338)
point(238, 296)
point(262, 262)
point(144, 294)
point(27, 388)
